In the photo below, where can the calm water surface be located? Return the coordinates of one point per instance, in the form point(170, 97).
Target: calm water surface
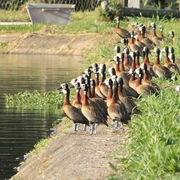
point(20, 130)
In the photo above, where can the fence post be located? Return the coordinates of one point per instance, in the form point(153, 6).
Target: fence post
point(134, 4)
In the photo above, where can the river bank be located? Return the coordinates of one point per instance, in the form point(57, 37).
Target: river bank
point(48, 44)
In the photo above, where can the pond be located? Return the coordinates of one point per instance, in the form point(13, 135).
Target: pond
point(21, 129)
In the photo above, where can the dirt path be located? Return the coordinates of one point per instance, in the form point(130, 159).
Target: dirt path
point(75, 156)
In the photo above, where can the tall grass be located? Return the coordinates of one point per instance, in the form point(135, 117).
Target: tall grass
point(153, 139)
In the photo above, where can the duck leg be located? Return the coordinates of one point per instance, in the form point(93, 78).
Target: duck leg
point(75, 127)
point(92, 129)
point(116, 124)
point(85, 126)
point(95, 128)
point(122, 126)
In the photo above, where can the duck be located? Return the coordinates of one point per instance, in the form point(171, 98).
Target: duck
point(145, 80)
point(117, 49)
point(119, 68)
point(172, 36)
point(173, 68)
point(161, 35)
point(77, 98)
point(123, 33)
point(132, 46)
point(126, 59)
point(128, 102)
point(138, 42)
point(102, 86)
point(91, 113)
point(147, 41)
point(127, 90)
point(172, 56)
point(147, 62)
point(137, 59)
point(156, 40)
point(144, 89)
point(133, 79)
point(116, 109)
point(96, 78)
point(160, 70)
point(99, 102)
point(72, 112)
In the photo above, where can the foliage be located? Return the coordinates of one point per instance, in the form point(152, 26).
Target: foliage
point(153, 139)
point(34, 100)
point(39, 146)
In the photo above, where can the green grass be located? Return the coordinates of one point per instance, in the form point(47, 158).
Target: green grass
point(39, 146)
point(153, 139)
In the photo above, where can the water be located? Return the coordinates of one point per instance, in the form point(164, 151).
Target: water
point(20, 130)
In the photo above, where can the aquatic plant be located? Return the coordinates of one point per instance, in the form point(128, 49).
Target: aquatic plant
point(34, 100)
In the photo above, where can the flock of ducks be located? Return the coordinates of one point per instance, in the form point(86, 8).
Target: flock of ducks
point(100, 99)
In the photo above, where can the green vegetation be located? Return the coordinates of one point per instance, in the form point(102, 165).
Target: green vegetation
point(153, 140)
point(34, 100)
point(39, 146)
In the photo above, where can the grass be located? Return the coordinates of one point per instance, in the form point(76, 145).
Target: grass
point(39, 146)
point(153, 139)
point(153, 145)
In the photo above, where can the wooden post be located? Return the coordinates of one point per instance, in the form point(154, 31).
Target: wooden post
point(124, 11)
point(134, 4)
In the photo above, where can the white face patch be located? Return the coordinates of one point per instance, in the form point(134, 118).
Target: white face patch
point(64, 91)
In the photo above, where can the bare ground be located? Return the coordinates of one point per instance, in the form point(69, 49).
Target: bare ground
point(42, 43)
point(68, 156)
point(77, 156)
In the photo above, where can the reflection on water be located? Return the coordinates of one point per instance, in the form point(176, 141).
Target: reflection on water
point(21, 129)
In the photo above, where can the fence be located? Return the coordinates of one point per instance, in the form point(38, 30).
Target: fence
point(81, 5)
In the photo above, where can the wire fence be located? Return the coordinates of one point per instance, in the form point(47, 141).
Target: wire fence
point(80, 5)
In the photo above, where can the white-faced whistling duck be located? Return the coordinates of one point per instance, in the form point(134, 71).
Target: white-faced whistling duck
point(70, 111)
point(102, 86)
point(133, 64)
point(173, 57)
point(128, 102)
point(117, 49)
point(144, 89)
point(93, 100)
point(154, 36)
point(172, 36)
point(109, 83)
point(121, 31)
point(123, 72)
point(138, 42)
point(133, 79)
point(149, 43)
point(132, 46)
point(95, 69)
point(127, 58)
point(124, 42)
point(173, 68)
point(77, 98)
point(116, 109)
point(90, 112)
point(161, 35)
point(147, 62)
point(145, 78)
point(137, 60)
point(160, 70)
